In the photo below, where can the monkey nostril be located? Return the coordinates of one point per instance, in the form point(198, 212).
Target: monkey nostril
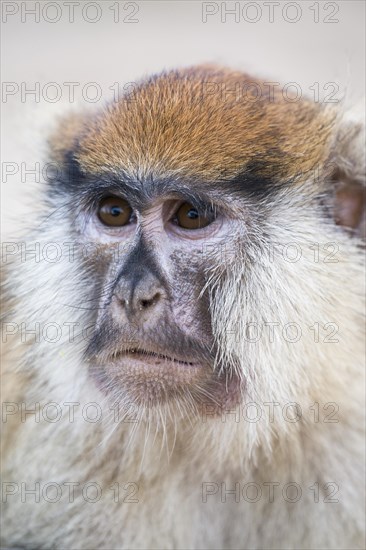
point(146, 303)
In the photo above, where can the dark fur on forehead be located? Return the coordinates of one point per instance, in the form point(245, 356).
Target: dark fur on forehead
point(179, 123)
point(253, 181)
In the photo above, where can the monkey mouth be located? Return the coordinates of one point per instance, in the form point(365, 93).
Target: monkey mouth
point(148, 376)
point(151, 377)
point(139, 354)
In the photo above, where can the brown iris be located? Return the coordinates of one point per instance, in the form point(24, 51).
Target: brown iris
point(188, 217)
point(114, 211)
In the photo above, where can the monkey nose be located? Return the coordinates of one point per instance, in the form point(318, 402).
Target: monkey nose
point(140, 299)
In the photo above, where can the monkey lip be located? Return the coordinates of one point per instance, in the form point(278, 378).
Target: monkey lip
point(145, 373)
point(152, 357)
point(150, 378)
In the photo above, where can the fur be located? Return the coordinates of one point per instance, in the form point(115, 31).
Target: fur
point(170, 452)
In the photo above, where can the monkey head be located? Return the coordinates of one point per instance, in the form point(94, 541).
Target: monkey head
point(188, 197)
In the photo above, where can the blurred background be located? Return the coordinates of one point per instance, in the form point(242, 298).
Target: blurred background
point(60, 55)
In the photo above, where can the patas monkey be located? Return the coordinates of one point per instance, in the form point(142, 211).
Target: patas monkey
point(194, 355)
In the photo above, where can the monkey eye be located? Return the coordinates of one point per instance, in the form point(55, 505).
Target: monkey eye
point(188, 217)
point(114, 211)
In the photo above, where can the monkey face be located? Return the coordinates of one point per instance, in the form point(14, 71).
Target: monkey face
point(153, 338)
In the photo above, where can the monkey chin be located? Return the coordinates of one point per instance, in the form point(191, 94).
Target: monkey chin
point(148, 379)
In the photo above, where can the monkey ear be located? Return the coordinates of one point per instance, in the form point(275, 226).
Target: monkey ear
point(348, 174)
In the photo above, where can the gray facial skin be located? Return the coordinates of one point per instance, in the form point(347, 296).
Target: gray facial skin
point(153, 340)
